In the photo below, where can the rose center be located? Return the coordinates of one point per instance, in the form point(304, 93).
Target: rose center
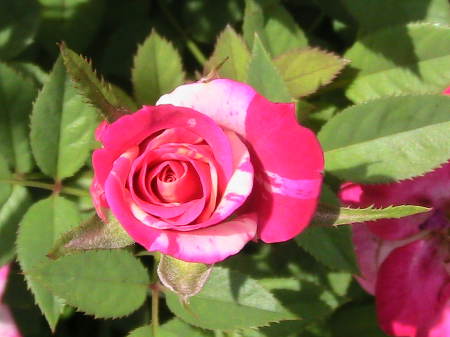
point(177, 182)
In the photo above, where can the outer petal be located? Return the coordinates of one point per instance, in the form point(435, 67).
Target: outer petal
point(223, 100)
point(211, 244)
point(288, 162)
point(287, 158)
point(409, 288)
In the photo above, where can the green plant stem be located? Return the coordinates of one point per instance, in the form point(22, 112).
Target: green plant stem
point(193, 48)
point(46, 186)
point(155, 309)
point(155, 295)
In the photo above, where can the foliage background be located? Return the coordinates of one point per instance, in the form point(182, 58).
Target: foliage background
point(310, 277)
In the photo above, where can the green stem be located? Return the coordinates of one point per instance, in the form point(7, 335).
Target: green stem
point(155, 309)
point(193, 48)
point(196, 52)
point(75, 191)
point(46, 186)
point(155, 295)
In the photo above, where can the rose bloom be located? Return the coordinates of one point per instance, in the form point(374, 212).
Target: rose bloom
point(210, 167)
point(405, 262)
point(7, 325)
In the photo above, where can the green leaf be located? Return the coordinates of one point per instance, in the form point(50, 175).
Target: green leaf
point(328, 196)
point(282, 32)
point(97, 91)
point(5, 188)
point(62, 126)
point(355, 320)
point(30, 70)
point(254, 21)
point(230, 45)
point(329, 215)
point(331, 246)
point(16, 97)
point(19, 20)
point(264, 77)
point(366, 14)
point(11, 212)
point(92, 234)
point(75, 22)
point(186, 279)
point(241, 302)
point(157, 69)
point(210, 17)
point(105, 283)
point(302, 297)
point(179, 328)
point(43, 223)
point(374, 151)
point(146, 331)
point(126, 100)
point(306, 70)
point(419, 63)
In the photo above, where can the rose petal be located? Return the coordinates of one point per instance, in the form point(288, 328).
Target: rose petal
point(287, 156)
point(8, 327)
point(371, 251)
point(409, 288)
point(225, 101)
point(446, 91)
point(4, 272)
point(175, 215)
point(291, 162)
point(211, 244)
point(134, 128)
point(440, 327)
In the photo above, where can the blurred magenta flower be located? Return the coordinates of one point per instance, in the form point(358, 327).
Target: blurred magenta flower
point(8, 327)
point(210, 167)
point(405, 262)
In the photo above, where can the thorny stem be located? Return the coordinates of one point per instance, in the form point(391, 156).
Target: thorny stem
point(193, 48)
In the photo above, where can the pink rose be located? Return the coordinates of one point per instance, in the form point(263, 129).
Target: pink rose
point(8, 327)
point(405, 263)
point(210, 167)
